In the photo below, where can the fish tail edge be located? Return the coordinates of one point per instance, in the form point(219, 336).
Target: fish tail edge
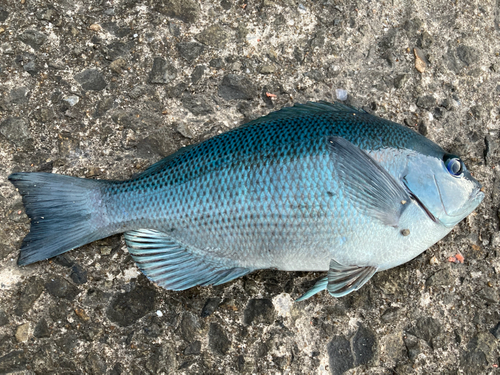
point(66, 212)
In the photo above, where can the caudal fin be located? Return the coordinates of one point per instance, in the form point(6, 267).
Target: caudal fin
point(65, 213)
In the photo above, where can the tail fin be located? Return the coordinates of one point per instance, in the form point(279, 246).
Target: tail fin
point(65, 213)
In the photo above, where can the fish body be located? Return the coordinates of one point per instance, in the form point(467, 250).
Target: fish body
point(314, 187)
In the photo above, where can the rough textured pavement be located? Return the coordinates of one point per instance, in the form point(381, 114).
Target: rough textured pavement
point(101, 89)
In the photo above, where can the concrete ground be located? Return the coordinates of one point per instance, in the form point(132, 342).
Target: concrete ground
point(102, 89)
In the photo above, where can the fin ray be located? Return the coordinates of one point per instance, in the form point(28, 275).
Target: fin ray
point(343, 280)
point(175, 266)
point(65, 213)
point(367, 183)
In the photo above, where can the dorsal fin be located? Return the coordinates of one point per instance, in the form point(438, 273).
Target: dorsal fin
point(308, 108)
point(287, 112)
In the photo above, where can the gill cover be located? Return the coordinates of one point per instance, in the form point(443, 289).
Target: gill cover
point(444, 186)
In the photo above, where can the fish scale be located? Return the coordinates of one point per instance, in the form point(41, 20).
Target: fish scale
point(297, 137)
point(282, 213)
point(314, 187)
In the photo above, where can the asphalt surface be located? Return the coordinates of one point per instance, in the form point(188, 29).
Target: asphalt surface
point(102, 89)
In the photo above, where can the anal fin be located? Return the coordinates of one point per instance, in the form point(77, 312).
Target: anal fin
point(174, 266)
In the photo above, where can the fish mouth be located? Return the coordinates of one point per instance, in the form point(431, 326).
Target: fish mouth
point(478, 193)
point(475, 198)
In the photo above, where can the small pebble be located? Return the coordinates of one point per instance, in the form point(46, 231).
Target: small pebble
point(159, 313)
point(434, 260)
point(405, 232)
point(341, 94)
point(22, 332)
point(106, 250)
point(118, 65)
point(82, 315)
point(267, 69)
point(420, 63)
point(459, 258)
point(71, 100)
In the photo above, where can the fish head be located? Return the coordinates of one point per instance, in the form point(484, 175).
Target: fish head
point(443, 186)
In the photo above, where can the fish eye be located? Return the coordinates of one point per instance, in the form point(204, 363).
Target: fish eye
point(454, 165)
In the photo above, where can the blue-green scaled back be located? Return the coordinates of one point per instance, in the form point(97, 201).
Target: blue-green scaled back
point(313, 187)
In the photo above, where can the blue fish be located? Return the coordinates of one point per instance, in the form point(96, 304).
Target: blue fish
point(313, 187)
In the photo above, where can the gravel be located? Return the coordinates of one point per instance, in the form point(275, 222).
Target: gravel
point(217, 340)
point(30, 293)
point(237, 87)
point(61, 288)
point(128, 307)
point(190, 50)
point(162, 72)
point(103, 89)
point(33, 38)
point(91, 79)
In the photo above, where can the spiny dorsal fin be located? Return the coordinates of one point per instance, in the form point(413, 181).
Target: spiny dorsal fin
point(174, 266)
point(308, 108)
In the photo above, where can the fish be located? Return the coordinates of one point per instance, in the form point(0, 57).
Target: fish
point(314, 187)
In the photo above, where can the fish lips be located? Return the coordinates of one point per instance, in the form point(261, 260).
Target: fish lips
point(475, 198)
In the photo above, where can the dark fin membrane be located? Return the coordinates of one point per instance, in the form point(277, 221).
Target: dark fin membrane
point(63, 214)
point(343, 280)
point(174, 266)
point(367, 183)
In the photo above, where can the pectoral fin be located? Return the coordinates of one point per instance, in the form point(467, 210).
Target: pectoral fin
point(341, 280)
point(367, 183)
